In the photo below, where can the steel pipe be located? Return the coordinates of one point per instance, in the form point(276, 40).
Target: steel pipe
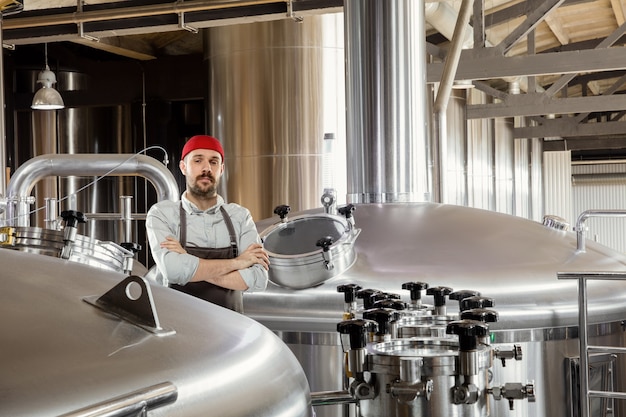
point(62, 165)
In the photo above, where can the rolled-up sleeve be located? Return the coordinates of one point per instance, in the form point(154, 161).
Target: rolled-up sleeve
point(256, 276)
point(175, 268)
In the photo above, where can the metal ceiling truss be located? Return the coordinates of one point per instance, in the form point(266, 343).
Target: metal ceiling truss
point(105, 26)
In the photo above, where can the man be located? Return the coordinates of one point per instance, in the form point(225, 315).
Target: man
point(202, 245)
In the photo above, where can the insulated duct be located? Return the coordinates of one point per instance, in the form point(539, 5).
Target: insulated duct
point(386, 101)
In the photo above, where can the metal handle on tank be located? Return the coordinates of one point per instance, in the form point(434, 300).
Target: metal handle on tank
point(132, 404)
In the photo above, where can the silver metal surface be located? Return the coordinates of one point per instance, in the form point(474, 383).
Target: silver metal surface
point(386, 101)
point(513, 260)
point(272, 121)
point(61, 354)
point(80, 249)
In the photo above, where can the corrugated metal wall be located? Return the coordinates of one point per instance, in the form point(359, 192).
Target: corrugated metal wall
point(601, 186)
point(557, 187)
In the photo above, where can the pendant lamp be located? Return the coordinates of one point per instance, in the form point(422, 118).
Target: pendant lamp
point(47, 97)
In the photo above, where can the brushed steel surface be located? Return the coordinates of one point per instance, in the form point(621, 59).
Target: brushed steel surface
point(510, 259)
point(273, 89)
point(386, 101)
point(61, 354)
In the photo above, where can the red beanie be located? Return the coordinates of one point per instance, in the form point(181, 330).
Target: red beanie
point(202, 142)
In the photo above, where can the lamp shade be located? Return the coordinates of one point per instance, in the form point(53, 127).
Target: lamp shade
point(47, 97)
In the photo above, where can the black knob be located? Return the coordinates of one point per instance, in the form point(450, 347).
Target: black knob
point(349, 291)
point(131, 246)
point(390, 303)
point(480, 314)
point(325, 243)
point(383, 317)
point(439, 293)
point(357, 329)
point(462, 294)
point(282, 211)
point(415, 288)
point(73, 217)
point(366, 296)
point(346, 210)
point(468, 331)
point(477, 302)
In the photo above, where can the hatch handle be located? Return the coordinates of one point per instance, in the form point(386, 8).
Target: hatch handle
point(136, 403)
point(131, 300)
point(282, 212)
point(325, 243)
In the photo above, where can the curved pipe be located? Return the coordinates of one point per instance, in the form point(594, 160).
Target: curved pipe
point(63, 165)
point(580, 223)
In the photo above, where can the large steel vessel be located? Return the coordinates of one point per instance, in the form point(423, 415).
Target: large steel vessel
point(512, 260)
point(76, 342)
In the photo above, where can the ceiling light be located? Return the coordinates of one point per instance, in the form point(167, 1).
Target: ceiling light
point(47, 97)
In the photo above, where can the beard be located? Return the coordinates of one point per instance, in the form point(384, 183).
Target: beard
point(202, 192)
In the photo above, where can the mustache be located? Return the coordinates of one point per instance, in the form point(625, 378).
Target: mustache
point(207, 175)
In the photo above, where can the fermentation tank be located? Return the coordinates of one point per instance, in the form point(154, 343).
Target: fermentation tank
point(79, 341)
point(514, 261)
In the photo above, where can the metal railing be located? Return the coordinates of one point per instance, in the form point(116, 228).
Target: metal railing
point(583, 340)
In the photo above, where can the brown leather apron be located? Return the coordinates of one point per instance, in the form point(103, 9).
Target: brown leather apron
point(215, 294)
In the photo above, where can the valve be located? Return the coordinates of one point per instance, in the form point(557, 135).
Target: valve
point(439, 294)
point(383, 317)
point(357, 330)
point(468, 331)
point(366, 295)
point(347, 211)
point(415, 289)
point(349, 297)
point(513, 391)
point(71, 218)
point(282, 212)
point(503, 354)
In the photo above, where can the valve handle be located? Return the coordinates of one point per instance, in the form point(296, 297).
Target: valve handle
point(460, 295)
point(390, 303)
point(480, 314)
point(366, 295)
point(439, 293)
point(73, 217)
point(282, 211)
point(357, 329)
point(468, 331)
point(131, 246)
point(383, 317)
point(346, 210)
point(349, 291)
point(415, 288)
point(325, 243)
point(477, 302)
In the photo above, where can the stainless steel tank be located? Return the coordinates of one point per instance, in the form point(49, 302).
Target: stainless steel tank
point(513, 260)
point(70, 347)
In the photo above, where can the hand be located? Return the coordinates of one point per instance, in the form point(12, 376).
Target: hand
point(255, 254)
point(173, 245)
